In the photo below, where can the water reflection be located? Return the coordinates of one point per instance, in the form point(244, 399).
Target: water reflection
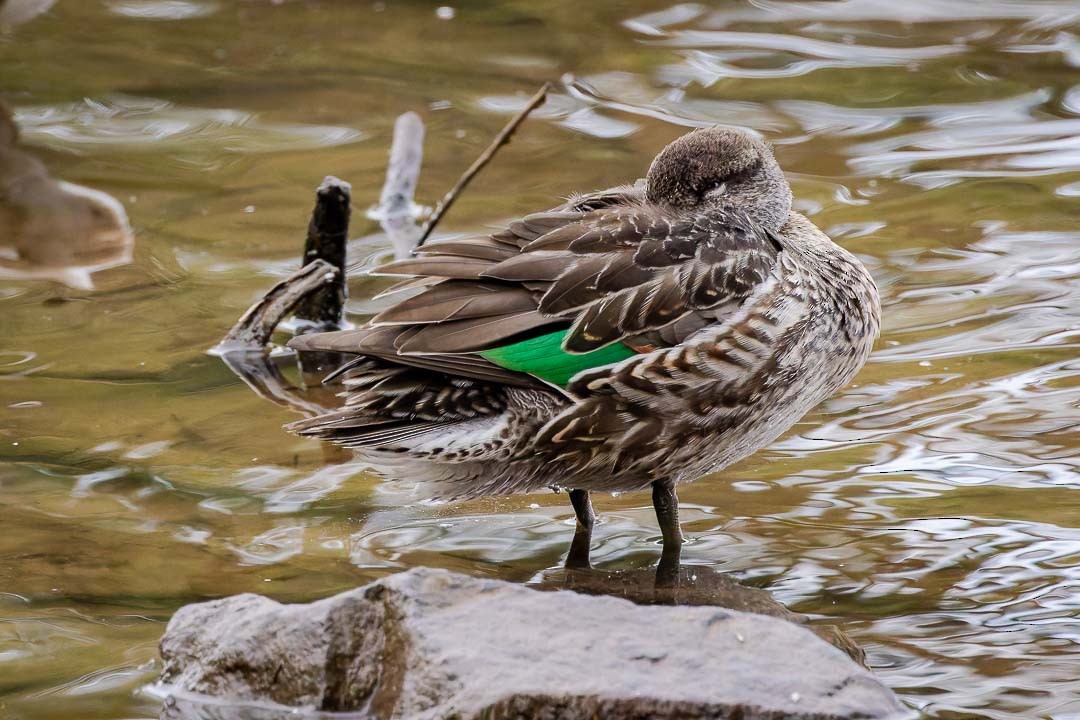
point(51, 229)
point(145, 124)
point(673, 584)
point(162, 9)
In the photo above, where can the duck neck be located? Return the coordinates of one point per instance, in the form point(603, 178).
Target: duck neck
point(764, 197)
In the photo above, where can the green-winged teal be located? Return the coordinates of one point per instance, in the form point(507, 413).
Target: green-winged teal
point(643, 335)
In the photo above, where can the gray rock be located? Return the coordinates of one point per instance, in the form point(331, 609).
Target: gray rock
point(429, 644)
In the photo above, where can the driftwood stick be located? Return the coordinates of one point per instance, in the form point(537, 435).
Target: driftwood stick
point(396, 211)
point(316, 293)
point(328, 233)
point(254, 328)
point(501, 139)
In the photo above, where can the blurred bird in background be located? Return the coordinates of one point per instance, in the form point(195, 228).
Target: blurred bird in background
point(51, 229)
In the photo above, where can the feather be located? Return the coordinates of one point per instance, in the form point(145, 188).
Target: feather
point(345, 367)
point(620, 273)
point(575, 287)
point(465, 366)
point(458, 336)
point(535, 225)
point(412, 283)
point(346, 341)
point(598, 324)
point(557, 239)
point(442, 266)
point(458, 301)
point(390, 435)
point(613, 232)
point(539, 265)
point(317, 425)
point(480, 249)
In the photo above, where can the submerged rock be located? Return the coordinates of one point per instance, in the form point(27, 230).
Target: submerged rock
point(432, 644)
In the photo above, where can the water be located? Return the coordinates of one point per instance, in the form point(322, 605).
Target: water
point(930, 510)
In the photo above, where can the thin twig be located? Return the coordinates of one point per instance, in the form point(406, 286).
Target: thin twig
point(501, 139)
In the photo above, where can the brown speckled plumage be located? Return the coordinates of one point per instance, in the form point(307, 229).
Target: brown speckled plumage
point(744, 315)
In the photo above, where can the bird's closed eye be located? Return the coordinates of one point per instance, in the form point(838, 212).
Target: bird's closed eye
point(717, 188)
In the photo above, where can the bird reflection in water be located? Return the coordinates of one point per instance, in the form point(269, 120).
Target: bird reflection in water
point(51, 229)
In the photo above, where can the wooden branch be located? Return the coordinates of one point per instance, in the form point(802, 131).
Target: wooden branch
point(397, 211)
point(253, 330)
point(328, 233)
point(501, 139)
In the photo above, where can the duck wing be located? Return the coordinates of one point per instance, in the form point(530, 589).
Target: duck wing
point(602, 269)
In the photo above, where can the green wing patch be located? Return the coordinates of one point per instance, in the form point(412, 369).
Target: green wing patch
point(543, 356)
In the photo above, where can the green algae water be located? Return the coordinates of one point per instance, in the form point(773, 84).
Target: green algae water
point(931, 510)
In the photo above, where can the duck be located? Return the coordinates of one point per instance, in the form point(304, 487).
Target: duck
point(631, 339)
point(51, 229)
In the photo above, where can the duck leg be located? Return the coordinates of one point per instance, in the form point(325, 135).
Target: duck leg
point(666, 503)
point(578, 557)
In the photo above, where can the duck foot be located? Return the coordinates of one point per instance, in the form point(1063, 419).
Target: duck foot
point(578, 557)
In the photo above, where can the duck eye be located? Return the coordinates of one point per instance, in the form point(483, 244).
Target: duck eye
point(716, 188)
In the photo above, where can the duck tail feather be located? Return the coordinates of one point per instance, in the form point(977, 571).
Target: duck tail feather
point(344, 428)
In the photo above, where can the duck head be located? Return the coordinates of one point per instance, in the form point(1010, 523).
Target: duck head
point(721, 168)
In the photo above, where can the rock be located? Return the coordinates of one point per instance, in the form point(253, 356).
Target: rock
point(429, 644)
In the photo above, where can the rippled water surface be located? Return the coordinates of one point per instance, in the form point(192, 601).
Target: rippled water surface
point(931, 510)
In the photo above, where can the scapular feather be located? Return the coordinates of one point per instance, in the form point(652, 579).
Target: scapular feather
point(458, 301)
point(459, 336)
